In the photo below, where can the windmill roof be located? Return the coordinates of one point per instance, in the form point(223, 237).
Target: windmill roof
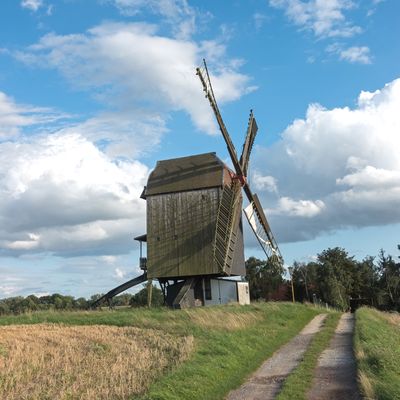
point(186, 173)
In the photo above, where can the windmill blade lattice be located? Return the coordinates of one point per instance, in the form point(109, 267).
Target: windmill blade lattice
point(255, 216)
point(252, 129)
point(254, 212)
point(228, 220)
point(204, 76)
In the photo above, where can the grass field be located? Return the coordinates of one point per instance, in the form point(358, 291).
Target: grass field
point(51, 361)
point(228, 343)
point(377, 349)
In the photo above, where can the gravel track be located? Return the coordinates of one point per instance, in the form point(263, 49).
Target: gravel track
point(336, 374)
point(266, 382)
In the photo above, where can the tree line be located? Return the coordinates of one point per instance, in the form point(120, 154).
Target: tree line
point(334, 277)
point(20, 304)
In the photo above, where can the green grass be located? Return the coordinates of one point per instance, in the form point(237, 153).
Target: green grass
point(299, 382)
point(377, 349)
point(224, 354)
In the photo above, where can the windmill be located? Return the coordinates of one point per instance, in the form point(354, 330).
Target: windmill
point(194, 223)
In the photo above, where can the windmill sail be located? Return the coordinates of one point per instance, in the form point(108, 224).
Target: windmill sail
point(207, 87)
point(254, 211)
point(258, 223)
point(248, 143)
point(228, 220)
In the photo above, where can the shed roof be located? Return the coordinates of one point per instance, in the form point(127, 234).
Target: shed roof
point(186, 173)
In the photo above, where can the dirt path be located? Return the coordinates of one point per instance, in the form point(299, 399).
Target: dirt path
point(336, 376)
point(266, 382)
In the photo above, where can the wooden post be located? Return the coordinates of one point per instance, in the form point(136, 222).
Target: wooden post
point(291, 279)
point(149, 292)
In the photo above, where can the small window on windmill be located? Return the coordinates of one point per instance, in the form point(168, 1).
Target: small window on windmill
point(207, 288)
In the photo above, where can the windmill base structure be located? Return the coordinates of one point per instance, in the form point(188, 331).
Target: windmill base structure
point(194, 224)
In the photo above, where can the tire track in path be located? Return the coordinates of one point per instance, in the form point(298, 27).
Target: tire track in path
point(336, 374)
point(266, 382)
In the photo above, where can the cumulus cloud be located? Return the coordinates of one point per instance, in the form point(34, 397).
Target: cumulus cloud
point(131, 66)
point(299, 208)
point(261, 182)
point(336, 168)
point(323, 18)
point(122, 134)
point(62, 195)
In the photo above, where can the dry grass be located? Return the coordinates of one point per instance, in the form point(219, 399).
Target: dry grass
point(366, 386)
point(223, 319)
point(393, 318)
point(52, 361)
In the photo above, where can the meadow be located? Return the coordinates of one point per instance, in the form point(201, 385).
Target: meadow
point(50, 361)
point(147, 354)
point(377, 349)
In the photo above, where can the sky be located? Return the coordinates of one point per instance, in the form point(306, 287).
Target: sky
point(94, 92)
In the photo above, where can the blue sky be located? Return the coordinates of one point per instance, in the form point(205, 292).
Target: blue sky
point(93, 93)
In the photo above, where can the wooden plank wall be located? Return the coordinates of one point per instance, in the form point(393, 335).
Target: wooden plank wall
point(180, 233)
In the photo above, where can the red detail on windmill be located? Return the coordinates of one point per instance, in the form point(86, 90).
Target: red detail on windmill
point(241, 178)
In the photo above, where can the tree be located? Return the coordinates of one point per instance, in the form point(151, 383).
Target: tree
point(121, 300)
point(304, 280)
point(140, 298)
point(264, 277)
point(389, 272)
point(336, 276)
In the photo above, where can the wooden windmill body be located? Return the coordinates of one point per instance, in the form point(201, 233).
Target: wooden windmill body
point(194, 223)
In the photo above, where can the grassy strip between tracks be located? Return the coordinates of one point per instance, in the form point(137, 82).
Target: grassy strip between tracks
point(299, 382)
point(377, 350)
point(229, 342)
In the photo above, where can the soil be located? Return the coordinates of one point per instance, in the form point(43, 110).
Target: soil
point(336, 374)
point(267, 381)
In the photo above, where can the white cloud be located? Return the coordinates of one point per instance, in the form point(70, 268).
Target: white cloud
point(374, 7)
point(371, 177)
point(14, 117)
point(336, 168)
point(127, 134)
point(261, 182)
point(178, 13)
point(60, 194)
point(33, 5)
point(109, 259)
point(356, 55)
point(323, 18)
point(259, 20)
point(300, 208)
point(8, 290)
point(119, 273)
point(130, 66)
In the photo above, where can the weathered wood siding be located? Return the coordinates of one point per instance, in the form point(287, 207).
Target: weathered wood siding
point(180, 233)
point(238, 266)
